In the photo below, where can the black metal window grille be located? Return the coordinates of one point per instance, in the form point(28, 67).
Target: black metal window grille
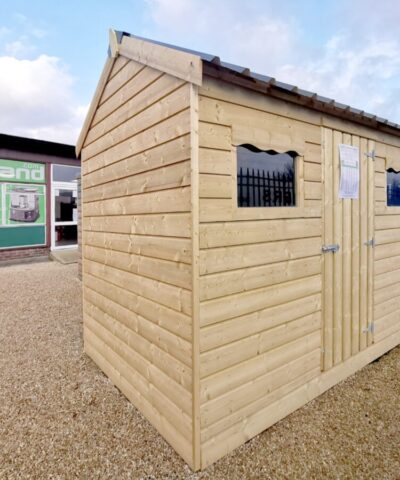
point(393, 188)
point(265, 178)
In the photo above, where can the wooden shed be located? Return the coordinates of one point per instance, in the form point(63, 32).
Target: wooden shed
point(241, 242)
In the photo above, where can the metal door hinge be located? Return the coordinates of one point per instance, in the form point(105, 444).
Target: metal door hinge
point(330, 248)
point(370, 155)
point(369, 329)
point(370, 243)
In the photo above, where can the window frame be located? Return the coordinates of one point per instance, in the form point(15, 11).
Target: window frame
point(386, 187)
point(267, 212)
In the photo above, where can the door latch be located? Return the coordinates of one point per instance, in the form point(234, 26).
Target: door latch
point(370, 155)
point(369, 329)
point(370, 243)
point(330, 248)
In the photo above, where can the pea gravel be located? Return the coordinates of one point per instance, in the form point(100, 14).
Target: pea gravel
point(61, 418)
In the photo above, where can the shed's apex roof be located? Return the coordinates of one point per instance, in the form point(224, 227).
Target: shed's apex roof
point(310, 99)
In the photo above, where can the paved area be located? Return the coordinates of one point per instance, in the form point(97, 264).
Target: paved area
point(61, 418)
point(67, 256)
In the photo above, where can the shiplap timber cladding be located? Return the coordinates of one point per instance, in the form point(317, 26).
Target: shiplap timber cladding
point(137, 244)
point(218, 321)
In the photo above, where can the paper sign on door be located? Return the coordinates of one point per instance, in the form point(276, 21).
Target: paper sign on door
point(349, 171)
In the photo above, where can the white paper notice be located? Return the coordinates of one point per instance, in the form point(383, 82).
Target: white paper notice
point(349, 171)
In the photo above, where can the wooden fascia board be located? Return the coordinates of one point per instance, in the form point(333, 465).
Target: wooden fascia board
point(179, 64)
point(226, 75)
point(94, 103)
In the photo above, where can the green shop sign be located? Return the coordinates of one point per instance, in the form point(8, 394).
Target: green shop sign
point(26, 172)
point(22, 215)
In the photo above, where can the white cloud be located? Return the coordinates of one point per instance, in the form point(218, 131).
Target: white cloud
point(37, 100)
point(19, 48)
point(240, 34)
point(359, 64)
point(363, 76)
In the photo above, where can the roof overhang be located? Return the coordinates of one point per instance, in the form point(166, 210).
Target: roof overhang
point(191, 65)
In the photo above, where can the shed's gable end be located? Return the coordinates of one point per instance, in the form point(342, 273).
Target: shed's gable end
point(183, 65)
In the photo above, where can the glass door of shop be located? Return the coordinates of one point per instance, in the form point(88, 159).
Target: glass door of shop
point(64, 231)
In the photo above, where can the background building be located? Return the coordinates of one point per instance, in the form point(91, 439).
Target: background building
point(38, 197)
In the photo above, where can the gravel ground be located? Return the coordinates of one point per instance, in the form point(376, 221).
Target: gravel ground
point(60, 417)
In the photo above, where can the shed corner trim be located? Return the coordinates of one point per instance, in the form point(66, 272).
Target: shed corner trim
point(94, 103)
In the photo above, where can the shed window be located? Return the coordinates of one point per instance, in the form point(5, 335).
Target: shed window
point(265, 178)
point(393, 188)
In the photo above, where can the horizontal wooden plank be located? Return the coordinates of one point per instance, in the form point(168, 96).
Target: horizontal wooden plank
point(215, 336)
point(383, 294)
point(228, 379)
point(312, 203)
point(242, 280)
point(124, 343)
point(165, 108)
point(118, 372)
point(215, 186)
point(242, 256)
point(312, 172)
point(145, 389)
point(387, 236)
point(312, 190)
point(215, 136)
point(218, 359)
point(176, 298)
point(175, 249)
point(175, 323)
point(173, 200)
point(386, 279)
point(383, 309)
point(262, 129)
point(222, 406)
point(151, 93)
point(228, 92)
point(165, 131)
point(385, 324)
point(239, 233)
point(252, 424)
point(380, 179)
point(386, 250)
point(173, 273)
point(387, 222)
point(240, 415)
point(387, 264)
point(216, 162)
point(224, 210)
point(140, 81)
point(157, 398)
point(158, 349)
point(214, 311)
point(120, 63)
point(381, 208)
point(168, 153)
point(119, 76)
point(165, 225)
point(380, 164)
point(380, 194)
point(171, 176)
point(313, 152)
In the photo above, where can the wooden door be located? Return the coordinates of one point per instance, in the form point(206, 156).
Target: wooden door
point(347, 273)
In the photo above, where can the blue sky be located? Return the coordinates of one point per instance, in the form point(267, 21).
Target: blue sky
point(52, 52)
